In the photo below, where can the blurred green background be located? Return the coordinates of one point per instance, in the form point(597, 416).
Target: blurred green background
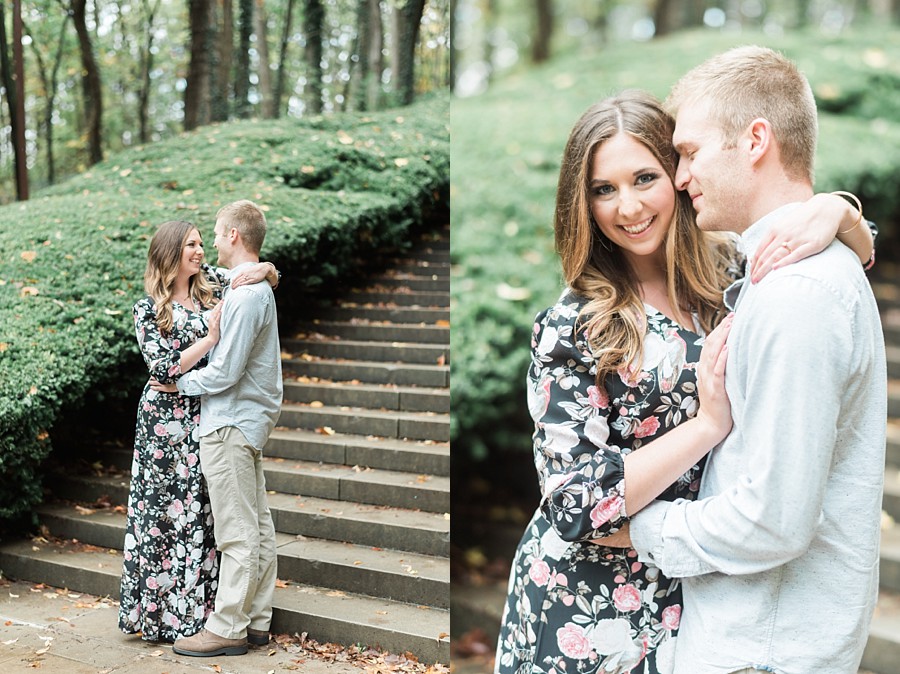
point(515, 102)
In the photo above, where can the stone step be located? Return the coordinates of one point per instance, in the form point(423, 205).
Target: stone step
point(883, 647)
point(400, 296)
point(410, 456)
point(379, 526)
point(892, 451)
point(477, 607)
point(371, 372)
point(389, 352)
point(893, 389)
point(353, 450)
point(348, 311)
point(388, 397)
point(427, 533)
point(360, 421)
point(376, 332)
point(420, 267)
point(889, 573)
point(891, 500)
point(426, 283)
point(398, 575)
point(358, 485)
point(893, 360)
point(890, 323)
point(326, 615)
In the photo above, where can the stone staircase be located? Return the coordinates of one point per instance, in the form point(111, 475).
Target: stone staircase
point(883, 648)
point(357, 471)
point(480, 606)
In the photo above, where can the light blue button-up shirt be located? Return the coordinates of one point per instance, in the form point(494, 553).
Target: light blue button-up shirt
point(780, 553)
point(242, 385)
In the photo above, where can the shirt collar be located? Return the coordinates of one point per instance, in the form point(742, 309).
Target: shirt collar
point(753, 235)
point(234, 271)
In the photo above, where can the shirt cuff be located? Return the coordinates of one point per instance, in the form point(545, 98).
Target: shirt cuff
point(187, 386)
point(646, 532)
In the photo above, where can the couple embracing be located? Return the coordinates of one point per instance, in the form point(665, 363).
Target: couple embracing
point(209, 338)
point(650, 553)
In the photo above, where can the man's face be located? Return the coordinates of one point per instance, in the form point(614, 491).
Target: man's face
point(713, 175)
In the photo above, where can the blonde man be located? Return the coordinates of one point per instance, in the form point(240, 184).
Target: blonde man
point(241, 393)
point(780, 554)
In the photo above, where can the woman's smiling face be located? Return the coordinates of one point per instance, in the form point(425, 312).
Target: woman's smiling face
point(630, 195)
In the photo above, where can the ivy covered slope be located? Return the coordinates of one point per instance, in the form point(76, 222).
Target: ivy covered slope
point(506, 155)
point(72, 259)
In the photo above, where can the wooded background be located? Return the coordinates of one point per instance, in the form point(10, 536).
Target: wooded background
point(492, 37)
point(102, 75)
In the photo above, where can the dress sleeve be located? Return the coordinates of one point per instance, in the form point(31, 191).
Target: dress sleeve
point(216, 278)
point(582, 477)
point(161, 354)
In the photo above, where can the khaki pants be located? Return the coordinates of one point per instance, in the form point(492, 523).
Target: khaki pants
point(245, 535)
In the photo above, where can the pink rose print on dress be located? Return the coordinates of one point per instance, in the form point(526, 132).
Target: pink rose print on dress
point(671, 617)
point(572, 641)
point(539, 572)
point(648, 426)
point(597, 398)
point(627, 598)
point(160, 430)
point(605, 510)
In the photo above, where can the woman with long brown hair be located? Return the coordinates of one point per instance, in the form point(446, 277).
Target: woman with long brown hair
point(170, 568)
point(616, 367)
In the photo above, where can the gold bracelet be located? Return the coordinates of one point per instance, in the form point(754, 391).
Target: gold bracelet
point(856, 200)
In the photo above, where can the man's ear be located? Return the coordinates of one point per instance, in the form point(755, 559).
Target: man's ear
point(760, 138)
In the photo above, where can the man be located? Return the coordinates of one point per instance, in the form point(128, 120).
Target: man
point(780, 554)
point(241, 393)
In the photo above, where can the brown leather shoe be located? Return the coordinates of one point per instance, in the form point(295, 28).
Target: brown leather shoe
point(257, 637)
point(206, 644)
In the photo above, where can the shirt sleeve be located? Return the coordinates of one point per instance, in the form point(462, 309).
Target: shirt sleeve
point(581, 476)
point(160, 353)
point(792, 396)
point(242, 317)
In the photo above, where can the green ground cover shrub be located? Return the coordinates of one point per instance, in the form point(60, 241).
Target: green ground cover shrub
point(506, 152)
point(72, 259)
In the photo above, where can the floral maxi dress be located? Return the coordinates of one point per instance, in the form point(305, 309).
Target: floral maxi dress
point(170, 571)
point(575, 607)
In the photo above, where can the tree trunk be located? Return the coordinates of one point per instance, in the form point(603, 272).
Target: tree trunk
point(662, 18)
point(409, 18)
point(376, 57)
point(359, 73)
point(196, 93)
point(540, 48)
point(145, 63)
point(91, 84)
point(265, 72)
point(222, 16)
point(313, 20)
point(278, 93)
point(12, 100)
point(242, 71)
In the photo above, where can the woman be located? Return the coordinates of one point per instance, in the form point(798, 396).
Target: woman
point(614, 369)
point(170, 569)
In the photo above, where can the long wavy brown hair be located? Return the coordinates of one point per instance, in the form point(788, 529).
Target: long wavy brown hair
point(163, 262)
point(596, 269)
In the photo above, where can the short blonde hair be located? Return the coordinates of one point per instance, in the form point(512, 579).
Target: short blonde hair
point(248, 219)
point(749, 82)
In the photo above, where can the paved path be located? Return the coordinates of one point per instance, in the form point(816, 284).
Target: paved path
point(60, 632)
